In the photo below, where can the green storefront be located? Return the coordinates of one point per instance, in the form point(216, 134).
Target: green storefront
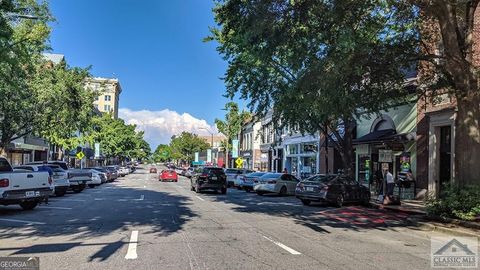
point(386, 140)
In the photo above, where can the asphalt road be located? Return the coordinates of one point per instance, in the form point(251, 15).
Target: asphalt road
point(138, 222)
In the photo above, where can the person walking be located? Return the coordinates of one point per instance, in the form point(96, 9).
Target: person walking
point(390, 183)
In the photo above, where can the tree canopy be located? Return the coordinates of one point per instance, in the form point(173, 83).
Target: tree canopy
point(317, 64)
point(184, 146)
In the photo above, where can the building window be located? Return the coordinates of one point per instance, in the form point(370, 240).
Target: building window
point(108, 98)
point(106, 108)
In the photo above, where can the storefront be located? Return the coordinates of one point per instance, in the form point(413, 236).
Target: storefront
point(27, 149)
point(301, 155)
point(389, 145)
point(247, 157)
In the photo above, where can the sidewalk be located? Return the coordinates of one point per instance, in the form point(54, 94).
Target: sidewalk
point(418, 216)
point(412, 207)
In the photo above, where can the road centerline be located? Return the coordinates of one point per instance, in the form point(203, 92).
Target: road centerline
point(132, 246)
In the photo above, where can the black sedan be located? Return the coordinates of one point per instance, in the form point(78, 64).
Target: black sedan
point(335, 189)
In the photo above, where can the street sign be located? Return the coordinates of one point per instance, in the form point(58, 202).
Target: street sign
point(97, 150)
point(239, 162)
point(235, 144)
point(80, 155)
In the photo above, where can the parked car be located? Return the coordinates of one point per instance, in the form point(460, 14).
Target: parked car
point(98, 178)
point(113, 171)
point(107, 173)
point(232, 176)
point(123, 171)
point(168, 175)
point(59, 176)
point(78, 178)
point(278, 183)
point(247, 182)
point(237, 179)
point(178, 170)
point(209, 178)
point(26, 189)
point(335, 189)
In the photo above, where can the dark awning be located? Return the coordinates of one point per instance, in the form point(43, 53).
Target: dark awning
point(377, 136)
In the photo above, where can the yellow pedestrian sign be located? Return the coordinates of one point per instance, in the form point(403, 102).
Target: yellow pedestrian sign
point(80, 155)
point(239, 163)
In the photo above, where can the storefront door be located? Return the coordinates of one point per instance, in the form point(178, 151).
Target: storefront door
point(445, 155)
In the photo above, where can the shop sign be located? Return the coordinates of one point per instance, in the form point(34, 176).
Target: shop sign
point(362, 149)
point(385, 156)
point(235, 144)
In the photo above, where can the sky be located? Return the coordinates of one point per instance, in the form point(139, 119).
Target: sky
point(169, 76)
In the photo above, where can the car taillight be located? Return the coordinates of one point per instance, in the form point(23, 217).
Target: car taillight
point(272, 182)
point(50, 180)
point(4, 182)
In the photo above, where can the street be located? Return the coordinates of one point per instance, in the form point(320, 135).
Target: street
point(179, 229)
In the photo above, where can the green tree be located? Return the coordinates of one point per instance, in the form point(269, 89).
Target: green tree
point(232, 125)
point(163, 153)
point(66, 105)
point(185, 145)
point(22, 41)
point(317, 64)
point(117, 140)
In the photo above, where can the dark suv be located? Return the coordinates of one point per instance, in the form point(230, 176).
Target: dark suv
point(209, 178)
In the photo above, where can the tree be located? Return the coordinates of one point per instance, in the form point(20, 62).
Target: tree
point(232, 125)
point(454, 67)
point(21, 43)
point(117, 140)
point(163, 153)
point(185, 145)
point(318, 64)
point(66, 106)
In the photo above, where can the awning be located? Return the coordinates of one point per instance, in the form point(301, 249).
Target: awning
point(377, 136)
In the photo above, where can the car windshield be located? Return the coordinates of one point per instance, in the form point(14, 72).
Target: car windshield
point(271, 176)
point(320, 178)
point(255, 174)
point(232, 171)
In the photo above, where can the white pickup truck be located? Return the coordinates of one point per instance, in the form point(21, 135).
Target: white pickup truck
point(79, 179)
point(60, 180)
point(24, 188)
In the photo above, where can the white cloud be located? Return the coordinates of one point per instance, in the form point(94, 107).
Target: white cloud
point(160, 126)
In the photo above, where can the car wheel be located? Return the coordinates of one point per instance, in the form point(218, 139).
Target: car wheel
point(223, 190)
point(306, 202)
point(91, 186)
point(77, 189)
point(283, 191)
point(260, 193)
point(339, 200)
point(28, 205)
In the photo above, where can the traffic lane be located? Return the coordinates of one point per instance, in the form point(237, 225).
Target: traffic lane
point(153, 214)
point(303, 228)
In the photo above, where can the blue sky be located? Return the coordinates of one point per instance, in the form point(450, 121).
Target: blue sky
point(155, 48)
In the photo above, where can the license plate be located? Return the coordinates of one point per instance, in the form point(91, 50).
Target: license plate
point(309, 188)
point(30, 194)
point(214, 178)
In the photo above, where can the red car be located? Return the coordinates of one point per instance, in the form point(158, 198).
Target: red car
point(153, 170)
point(168, 175)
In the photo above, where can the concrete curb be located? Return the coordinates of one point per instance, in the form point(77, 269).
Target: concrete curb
point(394, 209)
point(435, 227)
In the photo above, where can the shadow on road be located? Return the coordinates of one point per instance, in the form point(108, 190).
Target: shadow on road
point(317, 217)
point(99, 212)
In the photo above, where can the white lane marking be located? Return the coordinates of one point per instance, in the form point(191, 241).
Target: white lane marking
point(55, 207)
point(99, 199)
point(180, 187)
point(291, 250)
point(200, 198)
point(132, 246)
point(122, 200)
point(67, 200)
point(23, 221)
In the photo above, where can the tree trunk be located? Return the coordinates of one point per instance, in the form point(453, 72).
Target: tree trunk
point(467, 139)
point(347, 148)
